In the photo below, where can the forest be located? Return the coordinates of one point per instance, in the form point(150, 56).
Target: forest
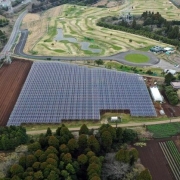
point(88, 156)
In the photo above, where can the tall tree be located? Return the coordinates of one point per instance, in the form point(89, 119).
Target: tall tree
point(84, 130)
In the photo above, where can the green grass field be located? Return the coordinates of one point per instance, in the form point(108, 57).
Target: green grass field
point(137, 58)
point(164, 130)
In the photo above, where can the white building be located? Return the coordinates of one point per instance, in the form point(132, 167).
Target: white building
point(156, 95)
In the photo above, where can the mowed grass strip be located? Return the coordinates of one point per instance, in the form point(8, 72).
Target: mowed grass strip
point(137, 58)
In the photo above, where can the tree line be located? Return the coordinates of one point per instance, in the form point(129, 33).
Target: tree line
point(62, 156)
point(166, 31)
point(11, 137)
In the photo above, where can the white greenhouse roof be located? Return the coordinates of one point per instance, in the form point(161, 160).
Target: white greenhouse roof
point(156, 94)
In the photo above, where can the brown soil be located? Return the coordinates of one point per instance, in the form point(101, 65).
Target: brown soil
point(12, 78)
point(152, 158)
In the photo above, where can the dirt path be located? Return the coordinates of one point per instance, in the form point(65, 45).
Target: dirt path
point(119, 125)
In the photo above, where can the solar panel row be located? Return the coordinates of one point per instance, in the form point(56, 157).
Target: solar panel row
point(56, 91)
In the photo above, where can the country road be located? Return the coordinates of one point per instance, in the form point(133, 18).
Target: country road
point(14, 34)
point(35, 132)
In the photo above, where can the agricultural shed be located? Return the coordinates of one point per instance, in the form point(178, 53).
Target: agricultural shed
point(175, 85)
point(156, 95)
point(114, 118)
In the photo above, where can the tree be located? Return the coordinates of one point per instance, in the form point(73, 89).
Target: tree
point(30, 160)
point(90, 154)
point(51, 149)
point(119, 134)
point(70, 168)
point(99, 62)
point(16, 169)
point(144, 175)
point(36, 166)
point(93, 144)
point(48, 132)
point(84, 130)
point(52, 161)
point(67, 158)
point(133, 155)
point(38, 175)
point(53, 141)
point(129, 135)
point(34, 147)
point(82, 159)
point(106, 140)
point(65, 174)
point(22, 161)
point(168, 78)
point(53, 175)
point(82, 142)
point(72, 145)
point(63, 148)
point(38, 153)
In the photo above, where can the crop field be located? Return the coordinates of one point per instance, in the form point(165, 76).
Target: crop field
point(152, 157)
point(78, 26)
point(172, 155)
point(164, 130)
point(12, 78)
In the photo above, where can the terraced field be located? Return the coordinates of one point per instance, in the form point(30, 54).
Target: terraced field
point(79, 23)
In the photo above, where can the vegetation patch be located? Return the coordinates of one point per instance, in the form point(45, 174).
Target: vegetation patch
point(164, 130)
point(137, 58)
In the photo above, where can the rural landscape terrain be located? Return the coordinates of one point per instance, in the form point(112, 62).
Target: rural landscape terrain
point(90, 90)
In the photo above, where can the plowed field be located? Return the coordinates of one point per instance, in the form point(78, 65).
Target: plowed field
point(152, 158)
point(12, 78)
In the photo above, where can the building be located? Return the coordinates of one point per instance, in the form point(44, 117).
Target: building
point(156, 95)
point(175, 85)
point(172, 71)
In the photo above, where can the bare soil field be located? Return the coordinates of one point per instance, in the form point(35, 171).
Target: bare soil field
point(152, 157)
point(12, 78)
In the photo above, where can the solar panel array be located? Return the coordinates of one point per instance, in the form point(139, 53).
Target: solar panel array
point(56, 91)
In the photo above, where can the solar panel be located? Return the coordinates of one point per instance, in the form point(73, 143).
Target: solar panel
point(56, 91)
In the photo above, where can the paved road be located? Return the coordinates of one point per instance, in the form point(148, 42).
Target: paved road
point(14, 34)
point(119, 125)
point(118, 57)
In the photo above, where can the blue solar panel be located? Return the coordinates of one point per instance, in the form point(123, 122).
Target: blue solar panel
point(57, 91)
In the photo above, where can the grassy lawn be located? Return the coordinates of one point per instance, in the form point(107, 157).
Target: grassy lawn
point(137, 58)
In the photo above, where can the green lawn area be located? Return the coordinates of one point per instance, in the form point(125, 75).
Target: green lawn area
point(137, 58)
point(164, 130)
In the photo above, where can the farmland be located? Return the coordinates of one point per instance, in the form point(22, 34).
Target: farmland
point(79, 24)
point(172, 155)
point(12, 77)
point(164, 130)
point(153, 158)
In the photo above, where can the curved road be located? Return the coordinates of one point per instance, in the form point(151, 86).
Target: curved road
point(14, 34)
point(117, 57)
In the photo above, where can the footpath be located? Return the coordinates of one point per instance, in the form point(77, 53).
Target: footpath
point(35, 132)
